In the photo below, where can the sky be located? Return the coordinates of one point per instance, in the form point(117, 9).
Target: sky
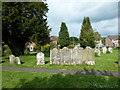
point(103, 16)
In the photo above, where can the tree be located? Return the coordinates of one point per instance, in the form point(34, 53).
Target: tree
point(103, 40)
point(22, 21)
point(97, 36)
point(87, 35)
point(74, 40)
point(63, 36)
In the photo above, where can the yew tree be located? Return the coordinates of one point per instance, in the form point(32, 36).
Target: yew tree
point(22, 21)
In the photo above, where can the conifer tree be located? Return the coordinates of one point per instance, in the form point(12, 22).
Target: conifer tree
point(87, 35)
point(63, 36)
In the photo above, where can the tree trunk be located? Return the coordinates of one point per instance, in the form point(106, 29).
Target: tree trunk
point(17, 49)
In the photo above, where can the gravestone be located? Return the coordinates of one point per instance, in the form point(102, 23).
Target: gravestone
point(104, 49)
point(54, 56)
point(40, 58)
point(14, 60)
point(72, 56)
point(110, 49)
point(97, 52)
point(89, 56)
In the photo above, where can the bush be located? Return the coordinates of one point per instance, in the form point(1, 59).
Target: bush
point(53, 45)
point(6, 50)
point(118, 47)
point(26, 51)
point(71, 46)
point(46, 50)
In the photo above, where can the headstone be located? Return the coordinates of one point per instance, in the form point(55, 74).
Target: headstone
point(104, 49)
point(54, 56)
point(18, 60)
point(72, 56)
point(110, 49)
point(40, 58)
point(97, 52)
point(14, 60)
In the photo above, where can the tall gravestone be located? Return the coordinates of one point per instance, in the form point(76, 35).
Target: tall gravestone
point(40, 58)
point(72, 56)
point(104, 49)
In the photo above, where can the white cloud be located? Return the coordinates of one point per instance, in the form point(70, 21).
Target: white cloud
point(72, 13)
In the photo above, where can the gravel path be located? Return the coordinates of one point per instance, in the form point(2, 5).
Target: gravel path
point(87, 72)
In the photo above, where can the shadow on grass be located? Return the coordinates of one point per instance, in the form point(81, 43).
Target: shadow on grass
point(22, 62)
point(47, 62)
point(68, 81)
point(93, 72)
point(2, 61)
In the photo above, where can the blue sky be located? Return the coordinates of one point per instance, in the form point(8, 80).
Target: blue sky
point(103, 16)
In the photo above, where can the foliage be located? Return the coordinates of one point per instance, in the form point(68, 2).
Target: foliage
point(71, 46)
point(53, 45)
point(63, 36)
point(87, 35)
point(26, 51)
point(6, 50)
point(97, 36)
point(23, 21)
point(103, 40)
point(74, 40)
point(46, 50)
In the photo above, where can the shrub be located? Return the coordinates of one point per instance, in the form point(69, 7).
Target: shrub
point(46, 50)
point(6, 50)
point(53, 45)
point(71, 46)
point(26, 51)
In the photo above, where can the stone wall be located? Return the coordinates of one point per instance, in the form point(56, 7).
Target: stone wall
point(71, 56)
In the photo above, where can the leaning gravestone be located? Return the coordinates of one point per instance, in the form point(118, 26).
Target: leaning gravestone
point(14, 60)
point(110, 49)
point(40, 58)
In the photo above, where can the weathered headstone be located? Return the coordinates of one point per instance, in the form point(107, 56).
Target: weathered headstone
point(14, 60)
point(54, 56)
point(97, 52)
point(104, 49)
point(110, 49)
point(89, 56)
point(72, 56)
point(40, 58)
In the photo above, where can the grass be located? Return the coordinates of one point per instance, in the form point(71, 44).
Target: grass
point(19, 79)
point(106, 61)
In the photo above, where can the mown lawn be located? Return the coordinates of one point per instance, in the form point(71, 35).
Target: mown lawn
point(18, 79)
point(106, 61)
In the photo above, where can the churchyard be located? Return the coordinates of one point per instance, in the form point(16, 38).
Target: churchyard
point(106, 61)
point(31, 59)
point(20, 79)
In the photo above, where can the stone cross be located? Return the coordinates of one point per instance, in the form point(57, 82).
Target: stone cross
point(40, 58)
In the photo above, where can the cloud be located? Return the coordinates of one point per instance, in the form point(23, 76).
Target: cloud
point(72, 13)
